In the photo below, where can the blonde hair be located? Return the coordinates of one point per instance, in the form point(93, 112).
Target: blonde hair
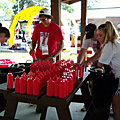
point(110, 33)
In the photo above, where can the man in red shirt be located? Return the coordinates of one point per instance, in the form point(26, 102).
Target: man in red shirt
point(48, 37)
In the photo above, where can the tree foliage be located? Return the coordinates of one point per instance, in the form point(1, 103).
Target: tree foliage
point(43, 3)
point(91, 3)
point(22, 5)
point(5, 8)
point(67, 7)
point(28, 3)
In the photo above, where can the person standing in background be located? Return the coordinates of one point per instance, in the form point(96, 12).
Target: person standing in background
point(48, 37)
point(89, 39)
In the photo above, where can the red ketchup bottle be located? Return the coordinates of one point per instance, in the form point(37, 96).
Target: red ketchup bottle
point(56, 88)
point(76, 69)
point(62, 89)
point(17, 84)
point(36, 86)
point(50, 87)
point(69, 78)
point(33, 55)
point(73, 75)
point(30, 86)
point(81, 72)
point(9, 80)
point(47, 74)
point(23, 85)
point(67, 86)
point(24, 75)
point(41, 82)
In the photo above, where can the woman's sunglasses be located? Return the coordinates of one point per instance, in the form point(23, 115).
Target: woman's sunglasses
point(103, 26)
point(43, 19)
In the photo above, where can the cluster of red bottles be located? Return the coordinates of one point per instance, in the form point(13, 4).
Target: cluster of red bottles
point(59, 78)
point(79, 71)
point(40, 65)
point(32, 84)
point(5, 62)
point(35, 81)
point(62, 84)
point(21, 84)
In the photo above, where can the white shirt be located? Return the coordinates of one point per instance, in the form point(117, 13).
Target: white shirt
point(111, 56)
point(88, 42)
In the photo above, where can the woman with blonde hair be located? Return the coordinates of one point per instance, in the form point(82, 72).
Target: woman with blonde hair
point(110, 55)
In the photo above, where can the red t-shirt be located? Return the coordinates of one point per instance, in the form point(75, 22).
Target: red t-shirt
point(48, 36)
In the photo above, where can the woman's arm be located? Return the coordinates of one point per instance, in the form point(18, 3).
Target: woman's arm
point(95, 57)
point(92, 59)
point(81, 55)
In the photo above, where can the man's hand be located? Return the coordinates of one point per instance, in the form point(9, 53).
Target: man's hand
point(33, 44)
point(31, 51)
point(51, 59)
